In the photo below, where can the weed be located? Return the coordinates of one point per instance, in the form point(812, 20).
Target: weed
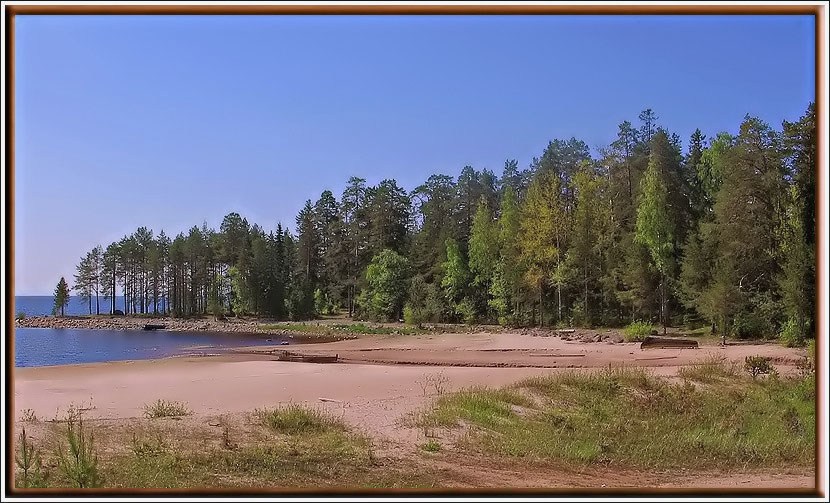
point(145, 448)
point(28, 416)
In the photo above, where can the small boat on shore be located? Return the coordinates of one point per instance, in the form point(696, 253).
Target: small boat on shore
point(151, 326)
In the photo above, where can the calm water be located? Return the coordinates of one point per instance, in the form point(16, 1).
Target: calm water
point(41, 305)
point(36, 347)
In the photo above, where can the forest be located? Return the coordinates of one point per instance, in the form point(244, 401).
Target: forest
point(720, 234)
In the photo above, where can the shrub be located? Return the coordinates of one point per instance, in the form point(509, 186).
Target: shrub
point(79, 464)
point(791, 336)
point(637, 331)
point(21, 315)
point(28, 462)
point(757, 365)
point(166, 408)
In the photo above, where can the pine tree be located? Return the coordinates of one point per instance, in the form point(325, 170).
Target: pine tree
point(61, 298)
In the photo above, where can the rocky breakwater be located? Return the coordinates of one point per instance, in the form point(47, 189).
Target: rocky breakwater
point(106, 322)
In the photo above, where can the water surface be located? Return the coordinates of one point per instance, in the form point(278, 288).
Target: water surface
point(36, 347)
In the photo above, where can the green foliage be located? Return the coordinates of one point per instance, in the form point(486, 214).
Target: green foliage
point(78, 461)
point(456, 275)
point(386, 279)
point(757, 365)
point(166, 408)
point(637, 331)
point(20, 315)
point(791, 335)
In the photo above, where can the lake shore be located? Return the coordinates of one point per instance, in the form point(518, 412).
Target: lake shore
point(379, 382)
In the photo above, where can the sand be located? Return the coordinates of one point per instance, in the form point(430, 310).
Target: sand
point(379, 382)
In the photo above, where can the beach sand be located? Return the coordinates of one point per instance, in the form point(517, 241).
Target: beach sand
point(378, 383)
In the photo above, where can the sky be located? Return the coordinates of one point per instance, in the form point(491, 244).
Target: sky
point(172, 121)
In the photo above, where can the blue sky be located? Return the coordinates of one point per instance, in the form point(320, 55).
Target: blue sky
point(169, 121)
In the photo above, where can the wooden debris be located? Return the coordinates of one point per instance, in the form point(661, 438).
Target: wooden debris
point(330, 400)
point(287, 356)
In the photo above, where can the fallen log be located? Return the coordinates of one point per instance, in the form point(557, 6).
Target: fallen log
point(664, 342)
point(287, 356)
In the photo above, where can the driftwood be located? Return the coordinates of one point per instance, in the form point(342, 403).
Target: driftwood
point(151, 326)
point(287, 356)
point(663, 342)
point(566, 331)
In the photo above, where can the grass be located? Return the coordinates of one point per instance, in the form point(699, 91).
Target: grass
point(294, 419)
point(711, 370)
point(630, 418)
point(343, 328)
point(289, 446)
point(166, 408)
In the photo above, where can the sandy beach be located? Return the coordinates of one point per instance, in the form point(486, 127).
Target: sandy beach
point(376, 384)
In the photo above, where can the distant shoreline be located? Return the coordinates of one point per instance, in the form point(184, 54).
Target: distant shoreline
point(110, 322)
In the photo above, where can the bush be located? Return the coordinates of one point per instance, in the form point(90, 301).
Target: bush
point(21, 315)
point(637, 331)
point(791, 335)
point(757, 365)
point(466, 311)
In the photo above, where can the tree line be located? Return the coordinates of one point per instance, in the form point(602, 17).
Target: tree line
point(722, 234)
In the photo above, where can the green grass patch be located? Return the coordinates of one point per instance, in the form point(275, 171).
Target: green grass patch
point(627, 417)
point(431, 446)
point(166, 408)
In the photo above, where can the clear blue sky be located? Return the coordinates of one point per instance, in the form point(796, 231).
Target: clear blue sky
point(169, 121)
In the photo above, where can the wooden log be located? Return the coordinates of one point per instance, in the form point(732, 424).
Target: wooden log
point(664, 342)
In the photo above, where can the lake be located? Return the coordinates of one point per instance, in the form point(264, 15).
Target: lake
point(36, 347)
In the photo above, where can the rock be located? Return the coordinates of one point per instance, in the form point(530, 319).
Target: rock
point(615, 338)
point(597, 338)
point(654, 332)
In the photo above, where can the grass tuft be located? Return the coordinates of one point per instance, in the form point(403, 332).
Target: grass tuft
point(166, 408)
point(294, 419)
